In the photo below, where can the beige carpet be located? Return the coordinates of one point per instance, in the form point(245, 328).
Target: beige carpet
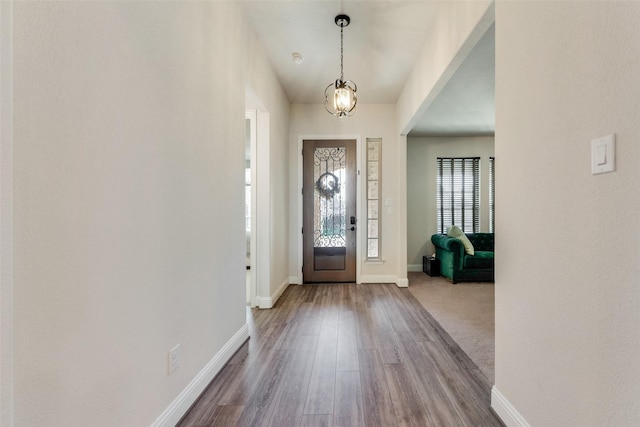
point(465, 311)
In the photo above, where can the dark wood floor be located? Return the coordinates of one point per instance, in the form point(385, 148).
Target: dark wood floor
point(346, 355)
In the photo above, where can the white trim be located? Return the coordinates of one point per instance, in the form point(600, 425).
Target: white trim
point(252, 115)
point(6, 214)
point(265, 302)
point(261, 265)
point(299, 212)
point(263, 206)
point(359, 194)
point(270, 301)
point(378, 278)
point(176, 410)
point(414, 267)
point(505, 410)
point(402, 282)
point(295, 280)
point(361, 217)
point(401, 212)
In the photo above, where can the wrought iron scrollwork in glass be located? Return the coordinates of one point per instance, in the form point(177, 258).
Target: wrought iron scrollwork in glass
point(329, 197)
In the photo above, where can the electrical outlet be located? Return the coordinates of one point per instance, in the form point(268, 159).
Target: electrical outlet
point(174, 359)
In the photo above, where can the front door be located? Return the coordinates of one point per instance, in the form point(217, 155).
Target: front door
point(329, 210)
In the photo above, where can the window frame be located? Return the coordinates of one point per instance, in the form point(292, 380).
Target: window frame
point(373, 198)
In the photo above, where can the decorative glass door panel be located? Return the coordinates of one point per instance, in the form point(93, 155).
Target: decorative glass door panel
point(329, 211)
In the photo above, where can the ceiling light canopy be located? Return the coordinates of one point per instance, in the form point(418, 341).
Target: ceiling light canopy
point(344, 91)
point(297, 58)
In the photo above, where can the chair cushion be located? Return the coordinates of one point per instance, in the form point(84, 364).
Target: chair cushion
point(481, 259)
point(455, 232)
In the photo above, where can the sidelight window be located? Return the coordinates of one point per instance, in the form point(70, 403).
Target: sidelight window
point(374, 147)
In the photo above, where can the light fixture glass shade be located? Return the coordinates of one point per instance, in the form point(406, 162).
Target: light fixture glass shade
point(344, 98)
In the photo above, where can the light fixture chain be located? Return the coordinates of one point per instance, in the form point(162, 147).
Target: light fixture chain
point(341, 53)
point(344, 92)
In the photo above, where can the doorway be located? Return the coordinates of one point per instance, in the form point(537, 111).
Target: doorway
point(250, 206)
point(329, 211)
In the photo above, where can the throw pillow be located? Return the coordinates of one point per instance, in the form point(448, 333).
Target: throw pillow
point(455, 232)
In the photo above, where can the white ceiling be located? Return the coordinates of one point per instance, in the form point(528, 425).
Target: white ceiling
point(380, 47)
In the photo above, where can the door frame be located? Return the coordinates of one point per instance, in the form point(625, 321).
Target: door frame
point(252, 116)
point(299, 210)
point(261, 199)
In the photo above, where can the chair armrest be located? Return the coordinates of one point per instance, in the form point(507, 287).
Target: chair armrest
point(450, 252)
point(447, 243)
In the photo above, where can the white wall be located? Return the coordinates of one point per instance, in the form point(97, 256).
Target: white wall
point(370, 121)
point(6, 216)
point(128, 171)
point(453, 33)
point(567, 294)
point(421, 187)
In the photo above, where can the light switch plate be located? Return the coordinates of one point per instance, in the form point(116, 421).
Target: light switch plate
point(603, 154)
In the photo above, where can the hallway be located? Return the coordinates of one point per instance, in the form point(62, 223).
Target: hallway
point(346, 355)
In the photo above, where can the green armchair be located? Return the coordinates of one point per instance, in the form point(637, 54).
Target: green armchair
point(457, 265)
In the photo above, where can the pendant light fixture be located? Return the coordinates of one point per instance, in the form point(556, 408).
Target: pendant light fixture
point(344, 91)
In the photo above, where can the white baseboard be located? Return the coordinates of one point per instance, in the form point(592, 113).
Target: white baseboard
point(265, 302)
point(414, 267)
point(188, 396)
point(295, 280)
point(379, 278)
point(400, 282)
point(505, 410)
point(270, 301)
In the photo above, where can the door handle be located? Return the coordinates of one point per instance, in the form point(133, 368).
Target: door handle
point(352, 220)
point(353, 228)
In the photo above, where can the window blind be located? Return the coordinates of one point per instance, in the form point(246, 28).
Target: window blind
point(458, 193)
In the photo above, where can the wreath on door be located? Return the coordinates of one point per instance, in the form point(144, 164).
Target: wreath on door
point(328, 185)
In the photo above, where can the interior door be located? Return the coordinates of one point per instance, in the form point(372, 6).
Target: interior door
point(329, 211)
